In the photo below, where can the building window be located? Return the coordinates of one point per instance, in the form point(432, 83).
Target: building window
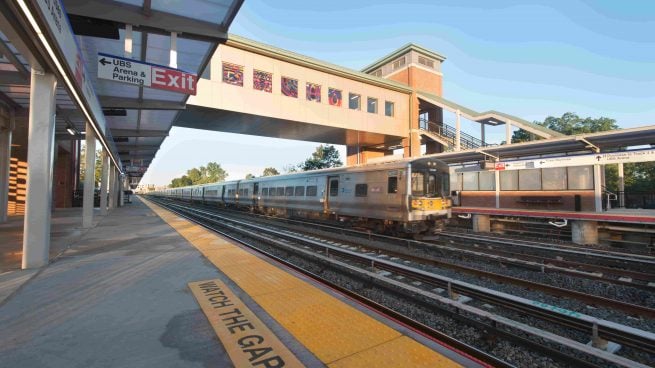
point(233, 74)
point(290, 87)
point(399, 63)
point(262, 81)
point(425, 61)
point(388, 108)
point(313, 92)
point(354, 101)
point(334, 97)
point(372, 105)
point(378, 73)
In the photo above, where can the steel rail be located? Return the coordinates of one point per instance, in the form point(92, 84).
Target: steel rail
point(639, 339)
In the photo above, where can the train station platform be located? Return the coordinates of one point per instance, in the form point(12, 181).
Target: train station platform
point(144, 287)
point(633, 216)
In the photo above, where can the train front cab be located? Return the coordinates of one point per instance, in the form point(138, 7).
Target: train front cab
point(428, 198)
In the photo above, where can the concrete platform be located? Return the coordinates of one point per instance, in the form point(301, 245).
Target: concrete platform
point(118, 295)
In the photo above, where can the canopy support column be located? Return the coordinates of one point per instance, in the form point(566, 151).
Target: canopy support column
point(89, 177)
point(5, 164)
point(104, 183)
point(40, 147)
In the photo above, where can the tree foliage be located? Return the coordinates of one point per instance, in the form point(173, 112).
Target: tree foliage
point(98, 167)
point(270, 171)
point(569, 124)
point(324, 157)
point(212, 173)
point(250, 176)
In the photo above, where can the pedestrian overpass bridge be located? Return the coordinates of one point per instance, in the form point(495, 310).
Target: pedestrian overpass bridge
point(256, 89)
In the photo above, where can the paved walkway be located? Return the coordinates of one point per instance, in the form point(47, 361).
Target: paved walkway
point(117, 297)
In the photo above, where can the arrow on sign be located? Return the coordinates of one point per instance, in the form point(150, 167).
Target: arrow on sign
point(103, 61)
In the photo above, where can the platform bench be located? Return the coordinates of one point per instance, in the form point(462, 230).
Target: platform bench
point(547, 200)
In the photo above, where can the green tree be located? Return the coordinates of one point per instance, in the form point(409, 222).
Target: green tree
point(638, 177)
point(97, 169)
point(569, 124)
point(250, 176)
point(212, 173)
point(287, 169)
point(270, 171)
point(324, 157)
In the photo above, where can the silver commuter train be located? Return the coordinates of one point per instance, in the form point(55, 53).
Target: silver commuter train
point(405, 196)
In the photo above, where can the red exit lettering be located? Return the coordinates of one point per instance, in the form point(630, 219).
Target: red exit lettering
point(174, 80)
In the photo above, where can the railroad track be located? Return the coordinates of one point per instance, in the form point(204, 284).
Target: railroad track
point(597, 329)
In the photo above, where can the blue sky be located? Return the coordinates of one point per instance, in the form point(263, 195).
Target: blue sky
point(527, 58)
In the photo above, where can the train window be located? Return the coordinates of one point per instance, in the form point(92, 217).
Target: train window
point(245, 192)
point(264, 192)
point(361, 190)
point(240, 192)
point(433, 190)
point(392, 184)
point(271, 192)
point(288, 191)
point(334, 187)
point(300, 191)
point(418, 184)
point(311, 191)
point(280, 191)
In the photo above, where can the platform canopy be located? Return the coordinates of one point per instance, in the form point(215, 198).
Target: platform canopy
point(591, 142)
point(132, 121)
point(140, 118)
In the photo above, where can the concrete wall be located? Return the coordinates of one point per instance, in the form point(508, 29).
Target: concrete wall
point(216, 94)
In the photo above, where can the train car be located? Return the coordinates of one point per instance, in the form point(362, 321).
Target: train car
point(406, 196)
point(213, 193)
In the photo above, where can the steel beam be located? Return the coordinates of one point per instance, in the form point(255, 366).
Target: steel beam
point(112, 102)
point(138, 133)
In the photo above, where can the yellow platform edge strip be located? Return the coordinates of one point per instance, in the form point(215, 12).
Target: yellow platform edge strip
point(247, 340)
point(347, 337)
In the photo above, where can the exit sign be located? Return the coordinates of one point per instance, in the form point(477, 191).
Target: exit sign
point(130, 71)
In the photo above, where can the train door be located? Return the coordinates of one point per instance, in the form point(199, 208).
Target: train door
point(223, 195)
point(331, 199)
point(255, 194)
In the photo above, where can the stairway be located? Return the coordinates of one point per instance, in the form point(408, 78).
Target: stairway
point(445, 134)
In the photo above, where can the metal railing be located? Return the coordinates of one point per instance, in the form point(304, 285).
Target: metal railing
point(449, 134)
point(643, 200)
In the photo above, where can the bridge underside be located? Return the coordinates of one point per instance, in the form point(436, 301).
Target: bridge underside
point(235, 122)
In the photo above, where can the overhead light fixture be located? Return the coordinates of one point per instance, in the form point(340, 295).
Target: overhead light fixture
point(71, 131)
